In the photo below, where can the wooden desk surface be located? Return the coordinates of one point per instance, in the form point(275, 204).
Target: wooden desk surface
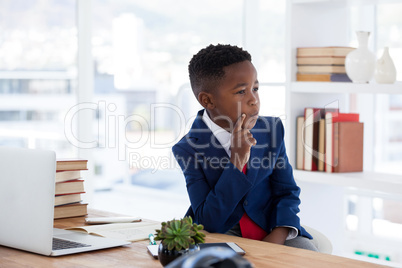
point(261, 254)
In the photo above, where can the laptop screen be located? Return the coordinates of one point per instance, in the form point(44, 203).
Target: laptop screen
point(27, 199)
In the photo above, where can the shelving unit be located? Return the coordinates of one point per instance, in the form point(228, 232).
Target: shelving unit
point(326, 23)
point(367, 180)
point(318, 23)
point(345, 88)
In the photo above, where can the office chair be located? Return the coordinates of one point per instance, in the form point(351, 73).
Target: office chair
point(320, 241)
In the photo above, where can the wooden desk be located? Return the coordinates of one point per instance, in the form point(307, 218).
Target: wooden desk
point(261, 254)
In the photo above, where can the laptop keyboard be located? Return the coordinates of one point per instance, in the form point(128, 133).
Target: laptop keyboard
point(59, 244)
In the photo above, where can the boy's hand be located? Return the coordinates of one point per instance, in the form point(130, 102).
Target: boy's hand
point(241, 143)
point(277, 236)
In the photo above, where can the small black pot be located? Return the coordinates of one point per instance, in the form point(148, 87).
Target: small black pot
point(166, 256)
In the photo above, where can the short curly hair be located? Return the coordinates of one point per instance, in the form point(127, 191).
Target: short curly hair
point(206, 68)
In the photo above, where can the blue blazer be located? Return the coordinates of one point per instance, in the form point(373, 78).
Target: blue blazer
point(220, 194)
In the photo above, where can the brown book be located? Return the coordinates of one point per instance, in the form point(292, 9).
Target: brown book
point(348, 146)
point(68, 175)
point(323, 51)
point(330, 119)
point(73, 210)
point(323, 77)
point(67, 199)
point(320, 60)
point(299, 142)
point(69, 187)
point(321, 144)
point(71, 164)
point(316, 69)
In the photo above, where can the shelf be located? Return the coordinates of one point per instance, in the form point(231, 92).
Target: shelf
point(373, 181)
point(326, 3)
point(342, 3)
point(338, 87)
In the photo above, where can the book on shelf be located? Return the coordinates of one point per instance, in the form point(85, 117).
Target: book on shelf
point(67, 199)
point(312, 117)
point(329, 77)
point(133, 231)
point(348, 147)
point(324, 69)
point(321, 145)
point(308, 138)
point(69, 187)
point(332, 137)
point(331, 51)
point(331, 60)
point(68, 175)
point(72, 210)
point(299, 142)
point(71, 164)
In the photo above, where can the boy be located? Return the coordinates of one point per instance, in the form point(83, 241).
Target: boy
point(237, 173)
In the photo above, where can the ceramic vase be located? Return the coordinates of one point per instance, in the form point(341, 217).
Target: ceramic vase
point(360, 63)
point(385, 72)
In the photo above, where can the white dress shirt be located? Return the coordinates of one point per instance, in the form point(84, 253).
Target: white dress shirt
point(224, 138)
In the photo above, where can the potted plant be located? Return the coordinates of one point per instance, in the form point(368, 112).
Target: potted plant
point(178, 237)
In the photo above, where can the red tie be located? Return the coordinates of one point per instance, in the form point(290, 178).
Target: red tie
point(248, 227)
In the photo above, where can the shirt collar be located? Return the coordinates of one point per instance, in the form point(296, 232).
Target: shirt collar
point(223, 136)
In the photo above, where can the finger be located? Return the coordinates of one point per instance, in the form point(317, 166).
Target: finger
point(239, 123)
point(253, 141)
point(250, 138)
point(247, 133)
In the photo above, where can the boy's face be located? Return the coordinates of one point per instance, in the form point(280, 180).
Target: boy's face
point(236, 94)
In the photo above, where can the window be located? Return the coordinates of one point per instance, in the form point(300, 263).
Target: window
point(372, 222)
point(38, 50)
point(389, 133)
point(142, 103)
point(141, 51)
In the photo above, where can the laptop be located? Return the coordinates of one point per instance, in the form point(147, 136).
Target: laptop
point(27, 187)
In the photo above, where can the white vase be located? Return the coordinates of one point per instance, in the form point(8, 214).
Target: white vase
point(360, 63)
point(385, 72)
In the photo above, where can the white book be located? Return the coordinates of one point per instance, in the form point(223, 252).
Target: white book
point(308, 138)
point(299, 142)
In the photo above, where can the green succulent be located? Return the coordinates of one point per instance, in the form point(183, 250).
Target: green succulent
point(180, 234)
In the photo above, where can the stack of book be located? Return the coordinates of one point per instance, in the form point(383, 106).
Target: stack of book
point(325, 64)
point(69, 188)
point(330, 141)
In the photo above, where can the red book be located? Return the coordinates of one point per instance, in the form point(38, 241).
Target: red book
point(67, 199)
point(312, 117)
point(69, 187)
point(331, 136)
point(68, 175)
point(71, 164)
point(72, 210)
